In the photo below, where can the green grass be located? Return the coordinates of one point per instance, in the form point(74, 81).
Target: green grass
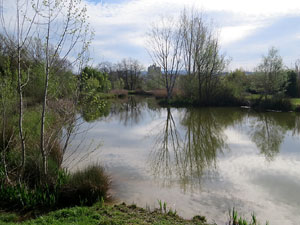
point(295, 101)
point(103, 214)
point(255, 96)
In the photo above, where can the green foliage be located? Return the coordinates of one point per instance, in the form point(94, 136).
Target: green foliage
point(223, 96)
point(237, 82)
point(21, 196)
point(32, 125)
point(94, 81)
point(119, 84)
point(59, 189)
point(62, 83)
point(277, 103)
point(292, 88)
point(7, 112)
point(270, 78)
point(7, 93)
point(95, 108)
point(35, 87)
point(188, 84)
point(93, 101)
point(160, 205)
point(8, 217)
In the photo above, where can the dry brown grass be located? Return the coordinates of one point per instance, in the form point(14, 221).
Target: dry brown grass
point(162, 93)
point(159, 93)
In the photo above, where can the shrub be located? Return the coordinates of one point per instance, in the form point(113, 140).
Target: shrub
point(85, 187)
point(280, 104)
point(225, 97)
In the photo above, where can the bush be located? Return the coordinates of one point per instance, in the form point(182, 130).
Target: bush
point(22, 197)
point(85, 187)
point(275, 103)
point(226, 97)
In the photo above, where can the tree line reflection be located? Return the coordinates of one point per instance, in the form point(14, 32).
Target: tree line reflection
point(186, 146)
point(189, 149)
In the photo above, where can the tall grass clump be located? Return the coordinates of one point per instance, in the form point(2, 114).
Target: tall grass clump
point(235, 219)
point(85, 186)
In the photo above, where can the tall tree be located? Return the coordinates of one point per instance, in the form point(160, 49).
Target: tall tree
point(129, 70)
point(165, 49)
point(272, 79)
point(203, 60)
point(64, 26)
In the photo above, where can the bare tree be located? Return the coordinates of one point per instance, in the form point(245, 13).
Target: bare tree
point(129, 70)
point(105, 67)
point(135, 70)
point(18, 41)
point(203, 61)
point(65, 28)
point(165, 48)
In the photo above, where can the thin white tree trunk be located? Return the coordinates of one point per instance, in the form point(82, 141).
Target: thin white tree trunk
point(20, 92)
point(47, 70)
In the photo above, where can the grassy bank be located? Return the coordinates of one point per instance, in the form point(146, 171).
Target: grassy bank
point(102, 214)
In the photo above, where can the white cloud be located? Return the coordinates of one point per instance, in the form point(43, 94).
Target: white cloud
point(127, 22)
point(120, 26)
point(231, 34)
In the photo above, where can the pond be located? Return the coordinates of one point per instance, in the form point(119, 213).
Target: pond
point(199, 161)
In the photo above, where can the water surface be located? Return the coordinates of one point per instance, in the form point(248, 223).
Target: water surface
point(200, 161)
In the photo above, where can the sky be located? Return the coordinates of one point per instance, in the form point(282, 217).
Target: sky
point(247, 28)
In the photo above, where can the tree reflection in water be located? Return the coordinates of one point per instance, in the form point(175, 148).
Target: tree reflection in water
point(187, 151)
point(190, 152)
point(268, 131)
point(267, 134)
point(186, 147)
point(166, 148)
point(129, 111)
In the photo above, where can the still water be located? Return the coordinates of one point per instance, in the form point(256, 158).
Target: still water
point(199, 161)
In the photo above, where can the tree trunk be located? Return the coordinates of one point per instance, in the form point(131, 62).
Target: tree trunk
point(20, 92)
point(47, 70)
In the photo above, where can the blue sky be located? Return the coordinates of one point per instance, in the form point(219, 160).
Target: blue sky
point(247, 28)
